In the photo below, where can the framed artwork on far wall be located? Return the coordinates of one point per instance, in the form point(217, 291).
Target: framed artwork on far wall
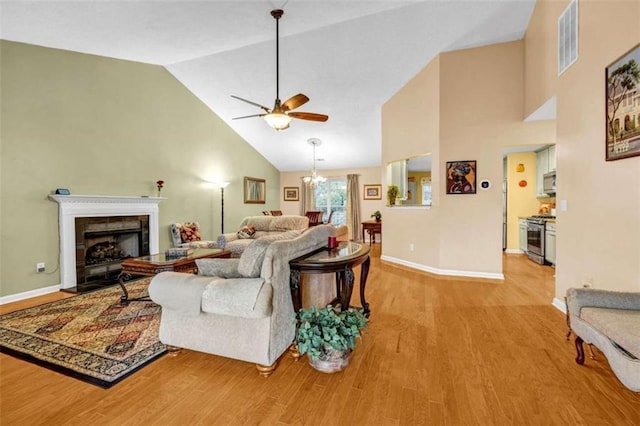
point(291, 193)
point(254, 190)
point(373, 192)
point(622, 79)
point(461, 177)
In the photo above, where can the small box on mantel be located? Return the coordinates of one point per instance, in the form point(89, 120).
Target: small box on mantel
point(178, 252)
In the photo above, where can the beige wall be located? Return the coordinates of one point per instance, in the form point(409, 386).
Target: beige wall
point(100, 126)
point(598, 237)
point(465, 105)
point(410, 127)
point(521, 201)
point(470, 103)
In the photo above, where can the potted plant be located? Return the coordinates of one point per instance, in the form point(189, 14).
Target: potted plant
point(377, 215)
point(328, 336)
point(392, 193)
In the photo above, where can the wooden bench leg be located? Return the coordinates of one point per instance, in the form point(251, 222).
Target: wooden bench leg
point(580, 350)
point(593, 355)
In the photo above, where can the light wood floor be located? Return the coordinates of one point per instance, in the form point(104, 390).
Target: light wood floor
point(437, 351)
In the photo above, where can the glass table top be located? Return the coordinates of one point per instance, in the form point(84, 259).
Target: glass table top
point(345, 251)
point(160, 258)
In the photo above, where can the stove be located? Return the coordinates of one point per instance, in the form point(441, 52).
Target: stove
point(535, 237)
point(540, 218)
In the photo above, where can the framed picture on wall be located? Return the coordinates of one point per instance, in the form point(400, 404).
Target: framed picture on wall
point(254, 190)
point(291, 193)
point(622, 79)
point(461, 177)
point(373, 192)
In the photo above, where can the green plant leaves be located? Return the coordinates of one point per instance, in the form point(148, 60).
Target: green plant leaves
point(319, 329)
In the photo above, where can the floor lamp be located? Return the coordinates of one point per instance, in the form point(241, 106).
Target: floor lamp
point(222, 186)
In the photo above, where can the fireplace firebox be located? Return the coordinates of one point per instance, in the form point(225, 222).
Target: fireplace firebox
point(102, 243)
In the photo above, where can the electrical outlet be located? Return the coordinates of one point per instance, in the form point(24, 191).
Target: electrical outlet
point(411, 247)
point(40, 267)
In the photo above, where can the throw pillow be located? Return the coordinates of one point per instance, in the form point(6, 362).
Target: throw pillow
point(246, 232)
point(190, 232)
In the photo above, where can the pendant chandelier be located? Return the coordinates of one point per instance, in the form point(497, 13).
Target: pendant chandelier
point(314, 179)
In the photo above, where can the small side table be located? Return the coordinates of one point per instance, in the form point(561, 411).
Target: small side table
point(373, 227)
point(340, 261)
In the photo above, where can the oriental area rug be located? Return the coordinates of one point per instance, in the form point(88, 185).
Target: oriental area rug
point(91, 337)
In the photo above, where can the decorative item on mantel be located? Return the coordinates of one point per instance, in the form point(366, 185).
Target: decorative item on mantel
point(160, 185)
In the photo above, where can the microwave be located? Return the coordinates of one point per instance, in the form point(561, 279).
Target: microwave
point(549, 183)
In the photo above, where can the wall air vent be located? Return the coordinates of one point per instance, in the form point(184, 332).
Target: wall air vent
point(568, 37)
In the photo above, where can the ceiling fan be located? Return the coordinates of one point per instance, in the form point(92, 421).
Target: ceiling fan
point(281, 114)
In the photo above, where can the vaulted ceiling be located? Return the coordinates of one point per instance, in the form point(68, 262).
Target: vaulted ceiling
point(348, 57)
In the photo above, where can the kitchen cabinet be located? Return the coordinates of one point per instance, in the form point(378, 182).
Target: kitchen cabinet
point(552, 158)
point(523, 235)
point(550, 243)
point(545, 162)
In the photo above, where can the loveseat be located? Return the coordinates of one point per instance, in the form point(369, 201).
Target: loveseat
point(273, 227)
point(611, 321)
point(238, 308)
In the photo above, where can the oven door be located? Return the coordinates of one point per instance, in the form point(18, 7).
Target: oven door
point(535, 241)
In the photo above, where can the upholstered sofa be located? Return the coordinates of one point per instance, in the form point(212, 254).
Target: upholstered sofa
point(610, 321)
point(238, 308)
point(273, 227)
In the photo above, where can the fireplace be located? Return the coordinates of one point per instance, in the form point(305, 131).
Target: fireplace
point(102, 243)
point(93, 209)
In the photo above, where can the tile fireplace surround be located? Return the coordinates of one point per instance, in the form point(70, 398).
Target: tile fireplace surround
point(73, 206)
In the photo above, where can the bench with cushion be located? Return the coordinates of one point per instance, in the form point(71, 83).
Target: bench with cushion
point(611, 321)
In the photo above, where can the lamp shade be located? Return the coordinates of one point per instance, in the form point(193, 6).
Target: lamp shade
point(278, 121)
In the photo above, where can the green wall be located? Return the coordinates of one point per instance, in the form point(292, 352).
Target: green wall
point(101, 126)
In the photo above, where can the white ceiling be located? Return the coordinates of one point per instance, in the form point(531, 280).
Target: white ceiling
point(348, 57)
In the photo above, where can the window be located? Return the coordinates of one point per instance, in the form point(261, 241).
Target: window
point(426, 193)
point(331, 197)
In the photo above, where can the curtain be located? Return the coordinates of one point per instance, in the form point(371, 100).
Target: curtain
point(308, 198)
point(353, 207)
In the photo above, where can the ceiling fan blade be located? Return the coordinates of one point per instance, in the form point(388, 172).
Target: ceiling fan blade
point(252, 103)
point(308, 116)
point(249, 116)
point(294, 102)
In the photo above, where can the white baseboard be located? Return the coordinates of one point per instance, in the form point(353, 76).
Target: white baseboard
point(513, 251)
point(437, 271)
point(560, 305)
point(29, 294)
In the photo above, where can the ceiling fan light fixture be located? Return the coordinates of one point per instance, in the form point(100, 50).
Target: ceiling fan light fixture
point(278, 120)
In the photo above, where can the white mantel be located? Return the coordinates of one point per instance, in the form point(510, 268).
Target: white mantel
point(73, 206)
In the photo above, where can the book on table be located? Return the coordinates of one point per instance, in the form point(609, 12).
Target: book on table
point(178, 252)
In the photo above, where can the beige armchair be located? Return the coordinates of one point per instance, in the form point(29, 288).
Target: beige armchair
point(187, 234)
point(238, 308)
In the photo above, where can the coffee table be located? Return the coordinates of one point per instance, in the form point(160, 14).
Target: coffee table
point(154, 264)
